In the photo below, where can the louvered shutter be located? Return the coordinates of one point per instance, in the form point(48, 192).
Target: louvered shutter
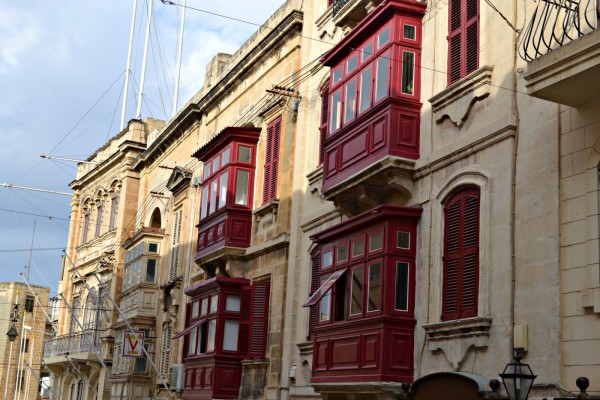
point(165, 356)
point(461, 256)
point(255, 316)
point(175, 245)
point(314, 285)
point(463, 38)
point(186, 338)
point(324, 123)
point(271, 161)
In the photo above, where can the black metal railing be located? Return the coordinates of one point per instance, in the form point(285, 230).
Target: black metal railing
point(555, 23)
point(338, 5)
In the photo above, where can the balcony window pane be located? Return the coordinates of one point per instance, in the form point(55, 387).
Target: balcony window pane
point(403, 240)
point(376, 241)
point(195, 309)
point(192, 342)
point(356, 298)
point(352, 63)
point(226, 155)
point(204, 306)
point(336, 111)
point(241, 188)
point(206, 170)
point(337, 75)
point(358, 247)
point(383, 37)
point(366, 52)
point(214, 302)
point(151, 271)
point(210, 341)
point(213, 197)
point(408, 72)
point(383, 77)
point(366, 87)
point(141, 363)
point(223, 189)
point(244, 153)
point(327, 259)
point(153, 247)
point(410, 32)
point(204, 203)
point(230, 335)
point(216, 163)
point(350, 110)
point(401, 303)
point(342, 253)
point(325, 307)
point(232, 303)
point(374, 287)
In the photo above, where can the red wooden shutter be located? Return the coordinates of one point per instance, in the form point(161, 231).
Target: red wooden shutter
point(186, 339)
point(255, 316)
point(314, 285)
point(463, 38)
point(271, 161)
point(324, 123)
point(461, 255)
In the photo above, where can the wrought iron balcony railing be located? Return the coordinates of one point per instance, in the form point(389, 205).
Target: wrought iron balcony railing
point(555, 23)
point(73, 343)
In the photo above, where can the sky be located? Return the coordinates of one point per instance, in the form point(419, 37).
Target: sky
point(62, 72)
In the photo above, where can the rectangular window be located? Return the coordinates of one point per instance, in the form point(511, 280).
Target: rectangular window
point(358, 247)
point(210, 341)
point(366, 52)
point(350, 110)
point(241, 187)
point(376, 241)
point(374, 287)
point(383, 77)
point(206, 170)
point(356, 297)
point(29, 303)
point(232, 303)
point(204, 202)
point(410, 32)
point(141, 363)
point(327, 259)
point(193, 341)
point(352, 63)
point(408, 72)
point(152, 247)
point(337, 75)
point(463, 38)
point(195, 309)
point(272, 161)
point(216, 164)
point(244, 153)
point(342, 253)
point(213, 197)
point(25, 345)
point(151, 271)
point(366, 88)
point(325, 307)
point(403, 240)
point(204, 307)
point(401, 303)
point(214, 303)
point(226, 155)
point(223, 189)
point(383, 37)
point(230, 335)
point(336, 111)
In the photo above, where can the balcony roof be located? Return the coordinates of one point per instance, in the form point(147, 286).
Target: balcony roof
point(226, 136)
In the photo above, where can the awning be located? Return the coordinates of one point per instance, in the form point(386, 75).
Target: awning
point(189, 328)
point(324, 288)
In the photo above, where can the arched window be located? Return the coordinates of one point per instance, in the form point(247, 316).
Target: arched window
point(99, 214)
point(155, 220)
point(86, 221)
point(91, 310)
point(461, 254)
point(114, 205)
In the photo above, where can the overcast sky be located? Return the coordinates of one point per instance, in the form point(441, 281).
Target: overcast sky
point(62, 69)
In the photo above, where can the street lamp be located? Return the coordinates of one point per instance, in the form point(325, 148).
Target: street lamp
point(517, 378)
point(12, 335)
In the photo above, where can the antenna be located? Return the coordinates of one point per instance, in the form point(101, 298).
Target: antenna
point(28, 266)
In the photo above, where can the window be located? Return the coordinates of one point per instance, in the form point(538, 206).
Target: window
point(141, 265)
point(175, 244)
point(461, 255)
point(324, 122)
point(25, 346)
point(29, 303)
point(99, 220)
point(141, 363)
point(86, 226)
point(271, 161)
point(463, 38)
point(165, 354)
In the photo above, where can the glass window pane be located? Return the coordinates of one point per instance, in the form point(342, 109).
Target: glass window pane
point(376, 241)
point(342, 253)
point(204, 307)
point(366, 52)
point(383, 37)
point(216, 163)
point(223, 189)
point(374, 287)
point(153, 247)
point(325, 307)
point(195, 309)
point(204, 203)
point(403, 240)
point(214, 301)
point(151, 271)
point(336, 111)
point(358, 247)
point(350, 110)
point(244, 154)
point(226, 155)
point(206, 170)
point(337, 75)
point(410, 32)
point(232, 303)
point(408, 72)
point(241, 188)
point(352, 63)
point(141, 363)
point(230, 335)
point(192, 341)
point(383, 77)
point(327, 259)
point(213, 197)
point(401, 286)
point(356, 298)
point(210, 342)
point(366, 87)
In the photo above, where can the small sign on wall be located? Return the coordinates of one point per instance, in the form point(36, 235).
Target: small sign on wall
point(133, 343)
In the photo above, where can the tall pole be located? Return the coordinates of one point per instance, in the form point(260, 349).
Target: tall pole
point(138, 113)
point(28, 365)
point(179, 53)
point(18, 386)
point(14, 317)
point(128, 70)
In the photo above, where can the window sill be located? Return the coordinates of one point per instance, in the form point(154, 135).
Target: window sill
point(269, 208)
point(455, 102)
point(457, 338)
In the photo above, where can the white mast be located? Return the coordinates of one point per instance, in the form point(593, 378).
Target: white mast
point(180, 50)
point(138, 113)
point(128, 70)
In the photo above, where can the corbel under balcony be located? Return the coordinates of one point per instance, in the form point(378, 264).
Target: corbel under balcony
point(348, 13)
point(457, 338)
